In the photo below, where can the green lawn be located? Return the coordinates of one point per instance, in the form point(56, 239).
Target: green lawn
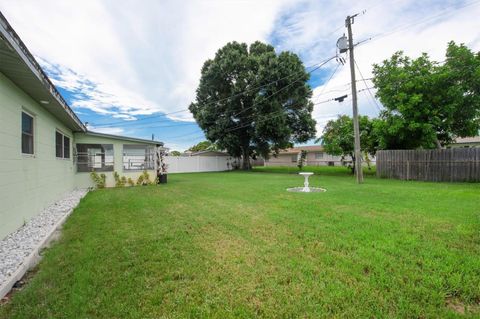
point(221, 245)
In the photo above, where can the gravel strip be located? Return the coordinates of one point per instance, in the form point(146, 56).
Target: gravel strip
point(20, 244)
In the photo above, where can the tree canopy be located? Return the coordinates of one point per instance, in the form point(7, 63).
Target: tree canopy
point(428, 104)
point(239, 112)
point(338, 137)
point(203, 146)
point(175, 153)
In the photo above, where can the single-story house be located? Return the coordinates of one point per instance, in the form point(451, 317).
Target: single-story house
point(45, 150)
point(316, 156)
point(466, 142)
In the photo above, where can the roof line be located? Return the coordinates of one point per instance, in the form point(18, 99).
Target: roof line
point(126, 138)
point(17, 44)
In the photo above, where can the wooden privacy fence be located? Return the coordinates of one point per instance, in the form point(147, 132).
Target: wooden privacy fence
point(445, 165)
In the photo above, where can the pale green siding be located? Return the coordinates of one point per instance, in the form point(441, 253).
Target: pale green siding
point(28, 183)
point(83, 180)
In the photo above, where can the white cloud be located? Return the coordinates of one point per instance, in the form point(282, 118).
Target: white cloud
point(138, 59)
point(123, 59)
point(107, 130)
point(308, 28)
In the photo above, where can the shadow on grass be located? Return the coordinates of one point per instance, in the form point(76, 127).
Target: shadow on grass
point(319, 170)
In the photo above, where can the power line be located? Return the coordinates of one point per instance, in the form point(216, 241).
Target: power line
point(269, 115)
point(446, 10)
point(254, 104)
point(314, 66)
point(278, 91)
point(366, 86)
point(328, 81)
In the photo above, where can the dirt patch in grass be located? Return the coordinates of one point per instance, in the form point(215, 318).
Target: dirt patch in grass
point(461, 308)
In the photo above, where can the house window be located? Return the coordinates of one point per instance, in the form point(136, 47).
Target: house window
point(62, 145)
point(27, 133)
point(66, 147)
point(138, 157)
point(94, 157)
point(318, 155)
point(294, 158)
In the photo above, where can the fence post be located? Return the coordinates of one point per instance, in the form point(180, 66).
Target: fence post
point(408, 170)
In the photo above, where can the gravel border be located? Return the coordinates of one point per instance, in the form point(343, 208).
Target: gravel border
point(19, 251)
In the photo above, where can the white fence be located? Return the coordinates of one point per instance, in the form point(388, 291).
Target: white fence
point(181, 164)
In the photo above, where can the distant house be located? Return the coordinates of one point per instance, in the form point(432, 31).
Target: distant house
point(316, 156)
point(45, 150)
point(466, 142)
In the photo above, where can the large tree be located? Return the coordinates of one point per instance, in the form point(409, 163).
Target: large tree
point(338, 137)
point(428, 104)
point(239, 112)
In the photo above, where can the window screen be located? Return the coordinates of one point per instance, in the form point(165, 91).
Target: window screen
point(27, 133)
point(138, 157)
point(62, 145)
point(58, 144)
point(94, 157)
point(66, 146)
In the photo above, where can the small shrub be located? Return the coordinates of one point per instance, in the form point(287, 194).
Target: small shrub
point(119, 181)
point(130, 182)
point(144, 179)
point(99, 180)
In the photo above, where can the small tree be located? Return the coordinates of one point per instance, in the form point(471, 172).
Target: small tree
point(338, 138)
point(175, 153)
point(428, 104)
point(301, 159)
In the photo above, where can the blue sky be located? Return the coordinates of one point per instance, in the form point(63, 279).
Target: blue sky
point(121, 66)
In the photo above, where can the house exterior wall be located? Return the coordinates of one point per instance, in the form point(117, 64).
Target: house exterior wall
point(323, 159)
point(311, 159)
point(29, 183)
point(83, 179)
point(281, 160)
point(464, 145)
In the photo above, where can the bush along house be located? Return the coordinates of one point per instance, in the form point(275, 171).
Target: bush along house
point(45, 150)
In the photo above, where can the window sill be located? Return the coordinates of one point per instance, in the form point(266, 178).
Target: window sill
point(28, 155)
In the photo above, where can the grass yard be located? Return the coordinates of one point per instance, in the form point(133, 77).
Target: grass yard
point(221, 245)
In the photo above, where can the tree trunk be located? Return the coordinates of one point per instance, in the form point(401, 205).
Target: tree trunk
point(245, 159)
point(352, 155)
point(439, 146)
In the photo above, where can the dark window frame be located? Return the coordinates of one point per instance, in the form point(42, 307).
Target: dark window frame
point(28, 134)
point(62, 151)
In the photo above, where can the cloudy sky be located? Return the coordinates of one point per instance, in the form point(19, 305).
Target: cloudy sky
point(122, 66)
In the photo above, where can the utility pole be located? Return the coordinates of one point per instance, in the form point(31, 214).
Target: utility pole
point(356, 128)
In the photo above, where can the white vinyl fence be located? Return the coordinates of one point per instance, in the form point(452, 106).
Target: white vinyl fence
point(181, 164)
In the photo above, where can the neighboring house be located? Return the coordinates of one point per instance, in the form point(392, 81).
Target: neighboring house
point(466, 142)
point(45, 150)
point(316, 156)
